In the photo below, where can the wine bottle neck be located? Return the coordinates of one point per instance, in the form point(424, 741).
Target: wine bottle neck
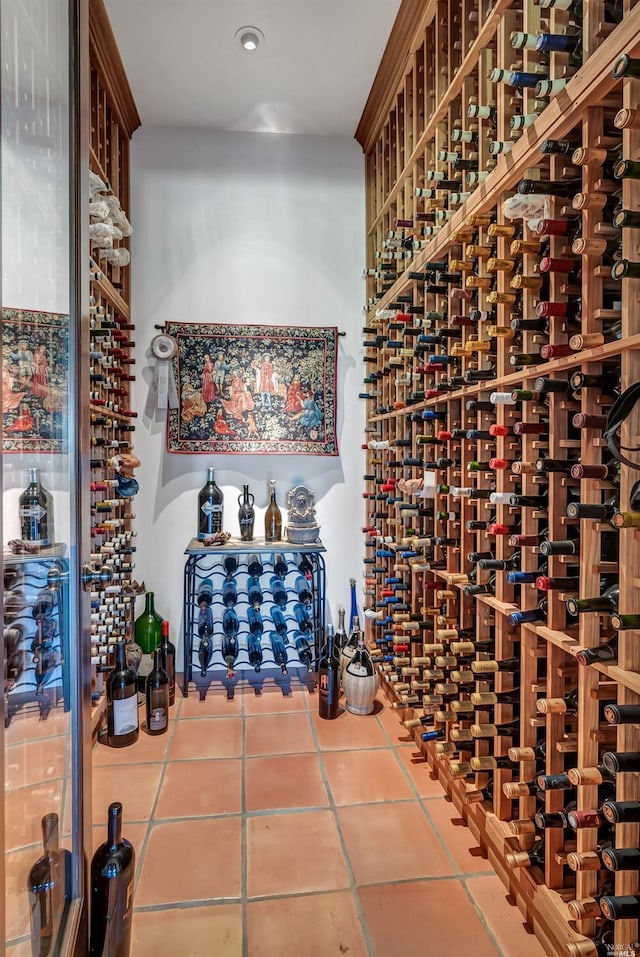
point(114, 825)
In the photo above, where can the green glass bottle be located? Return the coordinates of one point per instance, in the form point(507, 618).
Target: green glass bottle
point(148, 627)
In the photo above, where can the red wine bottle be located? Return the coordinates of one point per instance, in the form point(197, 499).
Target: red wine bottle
point(157, 696)
point(112, 875)
point(328, 679)
point(122, 702)
point(46, 886)
point(169, 661)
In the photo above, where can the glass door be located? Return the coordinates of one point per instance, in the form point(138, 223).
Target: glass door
point(45, 733)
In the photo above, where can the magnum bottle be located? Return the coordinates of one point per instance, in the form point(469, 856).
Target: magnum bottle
point(328, 679)
point(112, 876)
point(157, 696)
point(36, 518)
point(273, 517)
point(210, 505)
point(46, 887)
point(122, 702)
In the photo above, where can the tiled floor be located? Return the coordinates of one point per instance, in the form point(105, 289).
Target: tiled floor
point(262, 831)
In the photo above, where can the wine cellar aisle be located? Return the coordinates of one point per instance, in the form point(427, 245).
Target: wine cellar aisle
point(277, 838)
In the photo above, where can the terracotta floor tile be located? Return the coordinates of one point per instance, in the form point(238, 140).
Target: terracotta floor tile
point(391, 721)
point(289, 853)
point(505, 921)
point(459, 840)
point(284, 781)
point(135, 833)
point(215, 703)
point(25, 808)
point(439, 909)
point(192, 931)
point(320, 925)
point(360, 777)
point(17, 866)
point(348, 731)
point(199, 788)
point(278, 734)
point(420, 773)
point(207, 738)
point(149, 748)
point(409, 848)
point(136, 789)
point(36, 761)
point(191, 861)
point(271, 700)
point(24, 726)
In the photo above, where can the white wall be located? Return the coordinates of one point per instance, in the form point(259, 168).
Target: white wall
point(246, 228)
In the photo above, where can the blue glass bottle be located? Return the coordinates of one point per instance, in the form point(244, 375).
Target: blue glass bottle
point(279, 621)
point(305, 652)
point(254, 592)
point(254, 649)
point(354, 602)
point(229, 593)
point(254, 619)
point(303, 588)
point(278, 591)
point(303, 616)
point(279, 651)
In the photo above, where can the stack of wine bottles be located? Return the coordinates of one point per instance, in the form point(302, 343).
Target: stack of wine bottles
point(500, 505)
point(253, 611)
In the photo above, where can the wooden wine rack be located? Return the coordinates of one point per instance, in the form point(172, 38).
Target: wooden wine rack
point(436, 64)
point(113, 120)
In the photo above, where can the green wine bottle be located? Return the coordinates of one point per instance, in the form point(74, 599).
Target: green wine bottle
point(148, 627)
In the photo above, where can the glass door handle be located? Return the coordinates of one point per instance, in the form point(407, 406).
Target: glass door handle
point(95, 575)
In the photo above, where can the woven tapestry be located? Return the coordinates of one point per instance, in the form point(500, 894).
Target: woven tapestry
point(35, 381)
point(254, 389)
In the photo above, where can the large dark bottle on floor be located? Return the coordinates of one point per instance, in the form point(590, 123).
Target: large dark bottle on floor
point(36, 520)
point(157, 696)
point(112, 874)
point(122, 702)
point(328, 679)
point(210, 503)
point(169, 661)
point(46, 886)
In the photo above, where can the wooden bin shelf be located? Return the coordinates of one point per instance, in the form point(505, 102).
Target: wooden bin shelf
point(448, 144)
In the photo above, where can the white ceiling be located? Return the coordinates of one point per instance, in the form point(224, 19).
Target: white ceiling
point(312, 75)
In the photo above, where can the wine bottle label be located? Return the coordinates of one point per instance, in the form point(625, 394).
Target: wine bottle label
point(157, 719)
point(210, 508)
point(125, 714)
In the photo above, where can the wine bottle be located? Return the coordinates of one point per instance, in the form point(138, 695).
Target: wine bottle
point(112, 877)
point(246, 514)
point(229, 593)
point(303, 587)
point(210, 508)
point(304, 650)
point(148, 627)
point(122, 702)
point(303, 615)
point(353, 614)
point(340, 637)
point(273, 517)
point(46, 887)
point(278, 591)
point(328, 679)
point(230, 628)
point(254, 650)
point(622, 713)
point(255, 622)
point(279, 651)
point(205, 653)
point(606, 602)
point(35, 507)
point(157, 696)
point(254, 592)
point(169, 660)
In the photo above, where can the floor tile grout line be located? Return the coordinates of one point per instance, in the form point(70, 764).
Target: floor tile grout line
point(425, 812)
point(355, 896)
point(244, 849)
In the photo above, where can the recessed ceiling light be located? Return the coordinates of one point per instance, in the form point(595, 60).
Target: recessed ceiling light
point(249, 38)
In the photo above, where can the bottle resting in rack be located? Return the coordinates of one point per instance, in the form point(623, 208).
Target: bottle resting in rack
point(112, 876)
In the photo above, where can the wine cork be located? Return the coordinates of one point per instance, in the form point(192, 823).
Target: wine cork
point(521, 754)
point(445, 747)
point(461, 735)
point(515, 789)
point(584, 861)
point(484, 667)
point(517, 859)
point(585, 775)
point(523, 828)
point(459, 769)
point(483, 698)
point(551, 705)
point(584, 908)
